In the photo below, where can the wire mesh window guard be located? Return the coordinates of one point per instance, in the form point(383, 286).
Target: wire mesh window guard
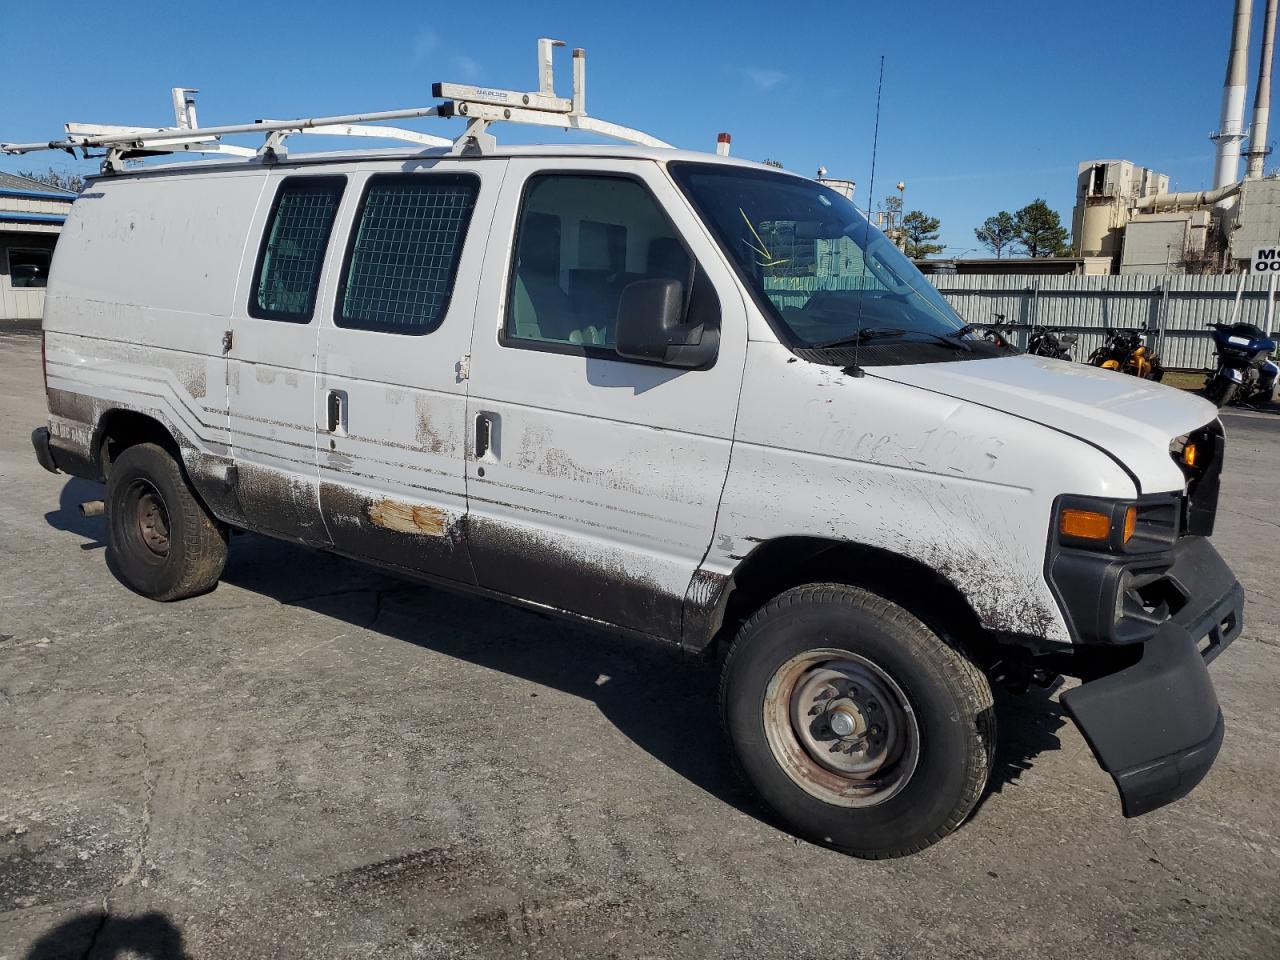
point(404, 255)
point(292, 255)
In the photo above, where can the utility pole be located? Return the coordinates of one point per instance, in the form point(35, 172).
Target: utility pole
point(902, 214)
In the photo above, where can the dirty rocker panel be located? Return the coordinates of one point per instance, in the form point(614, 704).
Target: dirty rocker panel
point(520, 563)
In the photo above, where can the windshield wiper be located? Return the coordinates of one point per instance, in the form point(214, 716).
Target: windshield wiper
point(955, 338)
point(868, 333)
point(877, 333)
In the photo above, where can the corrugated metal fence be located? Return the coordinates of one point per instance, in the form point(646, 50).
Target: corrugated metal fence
point(1176, 306)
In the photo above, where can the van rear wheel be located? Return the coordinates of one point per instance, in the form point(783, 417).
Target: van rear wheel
point(162, 541)
point(859, 726)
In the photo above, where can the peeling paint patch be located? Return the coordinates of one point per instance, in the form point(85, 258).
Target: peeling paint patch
point(341, 462)
point(407, 518)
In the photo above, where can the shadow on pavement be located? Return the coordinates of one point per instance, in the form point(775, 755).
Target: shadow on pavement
point(97, 936)
point(665, 702)
point(1027, 725)
point(662, 700)
point(67, 517)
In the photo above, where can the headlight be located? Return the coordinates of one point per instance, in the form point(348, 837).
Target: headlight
point(1188, 453)
point(1146, 525)
point(1094, 525)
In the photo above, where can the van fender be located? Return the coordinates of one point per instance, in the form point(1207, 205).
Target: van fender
point(212, 475)
point(779, 564)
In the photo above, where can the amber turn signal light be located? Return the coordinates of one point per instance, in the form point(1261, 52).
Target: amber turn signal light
point(1130, 523)
point(1189, 454)
point(1086, 524)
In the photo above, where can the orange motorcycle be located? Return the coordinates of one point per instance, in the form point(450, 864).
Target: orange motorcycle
point(1126, 351)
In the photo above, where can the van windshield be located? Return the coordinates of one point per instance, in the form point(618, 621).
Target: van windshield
point(827, 278)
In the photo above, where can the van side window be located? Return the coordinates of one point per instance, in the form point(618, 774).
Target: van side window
point(404, 251)
point(580, 240)
point(292, 254)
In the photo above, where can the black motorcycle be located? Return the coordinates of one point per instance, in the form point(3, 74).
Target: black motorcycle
point(1246, 373)
point(1046, 342)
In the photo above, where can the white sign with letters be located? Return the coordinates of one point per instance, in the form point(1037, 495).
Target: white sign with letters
point(1265, 260)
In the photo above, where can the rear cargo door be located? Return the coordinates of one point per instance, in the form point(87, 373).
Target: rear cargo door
point(394, 338)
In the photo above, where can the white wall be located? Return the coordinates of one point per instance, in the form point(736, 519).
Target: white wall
point(21, 303)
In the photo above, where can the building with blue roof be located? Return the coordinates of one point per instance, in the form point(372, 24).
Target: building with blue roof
point(31, 217)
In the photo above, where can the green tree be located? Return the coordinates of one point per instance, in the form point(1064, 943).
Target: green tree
point(1040, 230)
point(998, 233)
point(919, 230)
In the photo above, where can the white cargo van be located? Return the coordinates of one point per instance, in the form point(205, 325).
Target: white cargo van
point(675, 394)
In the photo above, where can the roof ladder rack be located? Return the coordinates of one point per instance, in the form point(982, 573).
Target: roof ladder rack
point(479, 106)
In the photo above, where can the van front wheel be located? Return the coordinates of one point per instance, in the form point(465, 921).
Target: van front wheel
point(162, 542)
point(859, 726)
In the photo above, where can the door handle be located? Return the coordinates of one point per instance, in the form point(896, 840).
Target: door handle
point(336, 405)
point(484, 434)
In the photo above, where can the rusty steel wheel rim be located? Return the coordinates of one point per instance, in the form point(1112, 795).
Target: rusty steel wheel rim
point(152, 519)
point(841, 728)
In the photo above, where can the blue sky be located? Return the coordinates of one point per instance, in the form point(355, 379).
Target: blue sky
point(986, 106)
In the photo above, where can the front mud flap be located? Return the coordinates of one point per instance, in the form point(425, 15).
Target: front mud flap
point(1154, 726)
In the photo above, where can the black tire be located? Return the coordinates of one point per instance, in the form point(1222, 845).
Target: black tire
point(1221, 391)
point(944, 688)
point(162, 542)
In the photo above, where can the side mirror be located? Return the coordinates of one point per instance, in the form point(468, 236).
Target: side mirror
point(649, 326)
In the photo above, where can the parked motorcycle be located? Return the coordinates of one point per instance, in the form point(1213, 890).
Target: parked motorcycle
point(1246, 373)
point(1124, 350)
point(1046, 342)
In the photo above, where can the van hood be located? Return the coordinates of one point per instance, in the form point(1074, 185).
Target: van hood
point(1131, 419)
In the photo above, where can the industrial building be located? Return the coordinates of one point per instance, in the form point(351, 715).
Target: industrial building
point(1124, 212)
point(31, 217)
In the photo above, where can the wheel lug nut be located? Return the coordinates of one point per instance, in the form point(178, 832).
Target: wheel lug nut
point(841, 723)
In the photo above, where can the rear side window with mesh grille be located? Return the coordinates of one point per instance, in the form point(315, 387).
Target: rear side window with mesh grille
point(404, 252)
point(292, 255)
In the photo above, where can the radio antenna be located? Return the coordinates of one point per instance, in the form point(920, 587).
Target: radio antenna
point(866, 229)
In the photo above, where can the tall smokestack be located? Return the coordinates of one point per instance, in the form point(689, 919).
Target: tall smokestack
point(1258, 148)
point(1226, 169)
